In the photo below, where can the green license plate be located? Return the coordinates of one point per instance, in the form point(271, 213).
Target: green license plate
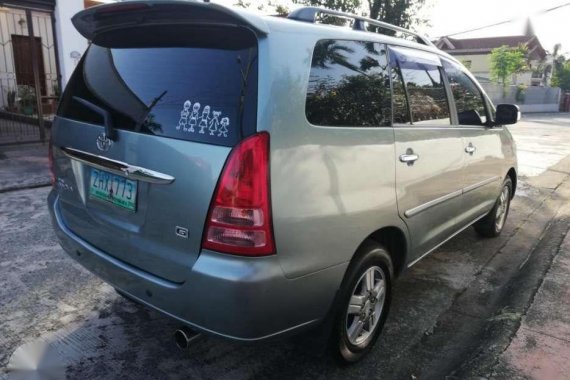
point(112, 188)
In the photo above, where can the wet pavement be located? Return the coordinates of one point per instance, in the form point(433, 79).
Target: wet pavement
point(474, 308)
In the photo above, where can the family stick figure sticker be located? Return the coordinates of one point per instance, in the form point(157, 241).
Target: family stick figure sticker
point(184, 117)
point(190, 118)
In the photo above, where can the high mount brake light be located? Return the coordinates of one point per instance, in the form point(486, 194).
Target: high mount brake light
point(239, 220)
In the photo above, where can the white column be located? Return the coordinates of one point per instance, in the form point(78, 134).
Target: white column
point(71, 44)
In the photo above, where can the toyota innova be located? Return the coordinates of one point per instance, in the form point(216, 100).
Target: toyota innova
point(255, 176)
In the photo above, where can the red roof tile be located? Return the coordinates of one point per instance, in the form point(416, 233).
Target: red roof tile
point(485, 45)
point(488, 43)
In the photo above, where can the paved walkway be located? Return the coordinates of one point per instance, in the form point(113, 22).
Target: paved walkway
point(23, 166)
point(541, 346)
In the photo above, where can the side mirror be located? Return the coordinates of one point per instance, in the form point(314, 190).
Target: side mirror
point(507, 114)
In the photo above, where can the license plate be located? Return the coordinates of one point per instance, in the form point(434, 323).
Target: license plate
point(112, 188)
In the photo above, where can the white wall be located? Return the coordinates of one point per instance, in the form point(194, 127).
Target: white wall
point(70, 41)
point(536, 99)
point(481, 68)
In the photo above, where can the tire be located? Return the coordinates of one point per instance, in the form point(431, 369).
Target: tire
point(493, 223)
point(357, 325)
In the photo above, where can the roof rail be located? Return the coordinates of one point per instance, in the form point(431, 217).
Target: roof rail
point(309, 14)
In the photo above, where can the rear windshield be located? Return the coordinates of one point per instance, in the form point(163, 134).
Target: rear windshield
point(196, 89)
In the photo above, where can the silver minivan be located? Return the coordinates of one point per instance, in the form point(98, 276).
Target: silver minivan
point(257, 176)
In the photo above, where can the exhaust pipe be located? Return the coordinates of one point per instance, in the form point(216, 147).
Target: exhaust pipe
point(184, 336)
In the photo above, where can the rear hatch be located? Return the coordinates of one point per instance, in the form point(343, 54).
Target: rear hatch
point(146, 124)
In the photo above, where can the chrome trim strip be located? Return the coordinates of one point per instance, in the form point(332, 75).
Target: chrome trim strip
point(118, 167)
point(416, 210)
point(446, 240)
point(480, 184)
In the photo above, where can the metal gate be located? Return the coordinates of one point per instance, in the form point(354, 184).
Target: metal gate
point(565, 102)
point(29, 74)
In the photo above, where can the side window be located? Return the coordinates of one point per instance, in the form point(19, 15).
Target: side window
point(349, 85)
point(400, 101)
point(468, 99)
point(425, 89)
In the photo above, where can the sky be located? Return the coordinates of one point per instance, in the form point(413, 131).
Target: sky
point(451, 16)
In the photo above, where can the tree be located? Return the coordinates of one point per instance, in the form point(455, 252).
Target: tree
point(549, 65)
point(282, 10)
point(269, 7)
point(561, 77)
point(557, 59)
point(243, 4)
point(506, 61)
point(348, 6)
point(401, 13)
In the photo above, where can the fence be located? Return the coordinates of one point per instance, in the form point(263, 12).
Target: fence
point(29, 79)
point(529, 99)
point(565, 103)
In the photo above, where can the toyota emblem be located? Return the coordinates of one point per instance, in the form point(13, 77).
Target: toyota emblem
point(103, 142)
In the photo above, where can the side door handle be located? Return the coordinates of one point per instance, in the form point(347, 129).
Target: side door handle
point(409, 157)
point(470, 149)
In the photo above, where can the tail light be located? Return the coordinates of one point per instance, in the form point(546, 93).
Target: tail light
point(50, 162)
point(239, 219)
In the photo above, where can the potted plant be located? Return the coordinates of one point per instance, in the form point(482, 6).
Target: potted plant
point(520, 95)
point(56, 97)
point(27, 99)
point(56, 89)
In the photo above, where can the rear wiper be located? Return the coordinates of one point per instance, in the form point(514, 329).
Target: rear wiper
point(149, 108)
point(110, 131)
point(244, 80)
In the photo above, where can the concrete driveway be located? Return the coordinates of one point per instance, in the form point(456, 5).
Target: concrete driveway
point(542, 141)
point(453, 314)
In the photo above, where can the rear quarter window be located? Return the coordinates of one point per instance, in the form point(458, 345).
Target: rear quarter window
point(173, 88)
point(349, 85)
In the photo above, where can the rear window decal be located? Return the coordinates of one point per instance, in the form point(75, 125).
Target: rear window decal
point(224, 127)
point(204, 119)
point(184, 116)
point(192, 118)
point(215, 123)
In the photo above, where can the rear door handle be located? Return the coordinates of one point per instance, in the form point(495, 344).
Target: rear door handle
point(470, 149)
point(409, 157)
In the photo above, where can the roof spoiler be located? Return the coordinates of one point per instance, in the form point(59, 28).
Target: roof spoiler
point(108, 17)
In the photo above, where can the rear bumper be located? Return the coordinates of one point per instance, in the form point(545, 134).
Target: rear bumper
point(234, 297)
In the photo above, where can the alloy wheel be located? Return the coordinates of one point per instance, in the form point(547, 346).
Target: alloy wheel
point(365, 306)
point(502, 209)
